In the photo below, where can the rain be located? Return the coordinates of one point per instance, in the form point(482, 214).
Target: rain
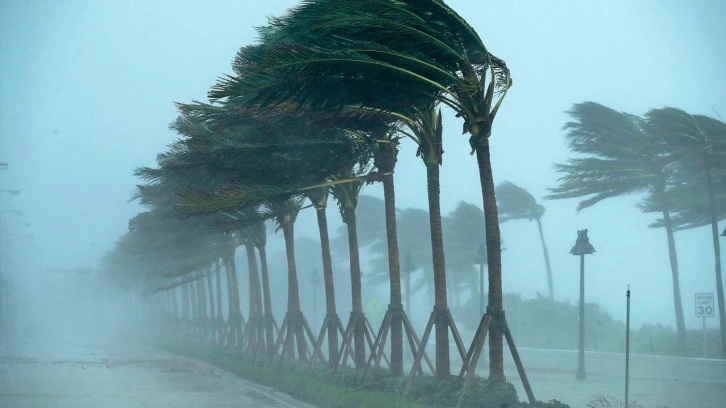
point(161, 164)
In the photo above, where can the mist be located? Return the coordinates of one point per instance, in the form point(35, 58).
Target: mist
point(87, 93)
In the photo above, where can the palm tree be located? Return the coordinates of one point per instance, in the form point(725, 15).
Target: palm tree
point(464, 230)
point(516, 203)
point(699, 144)
point(620, 157)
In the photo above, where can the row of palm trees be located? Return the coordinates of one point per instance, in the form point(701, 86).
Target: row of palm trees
point(318, 107)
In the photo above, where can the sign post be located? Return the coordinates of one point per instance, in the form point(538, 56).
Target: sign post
point(704, 309)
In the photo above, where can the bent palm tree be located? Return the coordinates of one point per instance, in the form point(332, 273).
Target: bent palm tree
point(516, 203)
point(699, 144)
point(620, 158)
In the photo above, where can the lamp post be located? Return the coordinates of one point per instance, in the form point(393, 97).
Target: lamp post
point(480, 259)
point(582, 247)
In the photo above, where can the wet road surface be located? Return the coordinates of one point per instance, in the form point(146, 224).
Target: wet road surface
point(98, 374)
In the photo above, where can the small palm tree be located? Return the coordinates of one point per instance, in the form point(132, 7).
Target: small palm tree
point(516, 203)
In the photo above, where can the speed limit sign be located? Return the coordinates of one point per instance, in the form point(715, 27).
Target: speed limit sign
point(704, 304)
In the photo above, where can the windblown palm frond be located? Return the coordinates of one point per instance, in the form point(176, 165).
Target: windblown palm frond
point(515, 203)
point(620, 156)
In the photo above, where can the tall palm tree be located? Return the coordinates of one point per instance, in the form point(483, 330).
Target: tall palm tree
point(619, 157)
point(516, 203)
point(699, 144)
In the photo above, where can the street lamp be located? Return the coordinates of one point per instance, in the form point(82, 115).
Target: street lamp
point(480, 259)
point(582, 247)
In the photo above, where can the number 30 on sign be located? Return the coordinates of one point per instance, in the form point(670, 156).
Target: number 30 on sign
point(704, 304)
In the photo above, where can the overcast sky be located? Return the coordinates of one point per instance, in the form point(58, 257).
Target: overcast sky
point(87, 92)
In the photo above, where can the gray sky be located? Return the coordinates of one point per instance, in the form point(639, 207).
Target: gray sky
point(86, 92)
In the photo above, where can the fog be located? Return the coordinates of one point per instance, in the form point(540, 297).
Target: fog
point(87, 91)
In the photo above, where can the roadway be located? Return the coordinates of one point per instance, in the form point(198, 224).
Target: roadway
point(93, 373)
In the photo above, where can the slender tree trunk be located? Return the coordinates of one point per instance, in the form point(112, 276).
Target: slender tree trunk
point(269, 338)
point(210, 289)
point(220, 313)
point(293, 291)
point(717, 256)
point(394, 270)
point(355, 286)
point(254, 338)
point(202, 306)
point(494, 255)
point(195, 304)
point(174, 305)
point(550, 284)
point(235, 288)
point(680, 321)
point(254, 277)
point(443, 366)
point(329, 286)
point(185, 303)
point(230, 295)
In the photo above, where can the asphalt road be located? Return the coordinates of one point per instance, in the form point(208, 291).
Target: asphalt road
point(94, 374)
point(655, 381)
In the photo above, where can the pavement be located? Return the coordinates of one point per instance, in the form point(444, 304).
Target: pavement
point(654, 381)
point(99, 374)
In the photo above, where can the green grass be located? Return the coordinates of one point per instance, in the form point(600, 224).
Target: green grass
point(343, 389)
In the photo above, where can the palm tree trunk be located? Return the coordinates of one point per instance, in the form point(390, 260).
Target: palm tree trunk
point(255, 314)
point(443, 367)
point(210, 291)
point(185, 304)
point(717, 255)
point(269, 338)
point(355, 287)
point(329, 286)
point(220, 313)
point(195, 306)
point(550, 285)
point(494, 256)
point(254, 277)
point(394, 271)
point(293, 291)
point(680, 321)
